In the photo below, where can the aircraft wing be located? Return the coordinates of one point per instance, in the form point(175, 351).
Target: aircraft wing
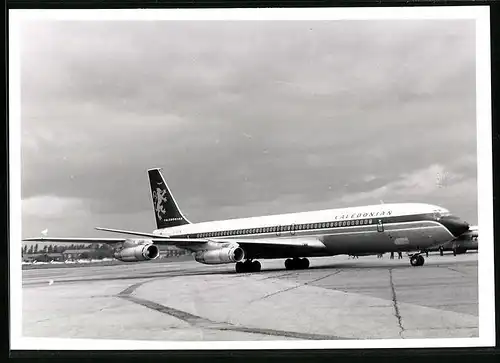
point(287, 242)
point(159, 241)
point(77, 239)
point(133, 233)
point(269, 247)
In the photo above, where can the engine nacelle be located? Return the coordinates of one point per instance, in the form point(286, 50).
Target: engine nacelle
point(221, 255)
point(141, 252)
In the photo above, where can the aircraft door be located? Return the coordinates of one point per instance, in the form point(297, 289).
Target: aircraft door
point(380, 226)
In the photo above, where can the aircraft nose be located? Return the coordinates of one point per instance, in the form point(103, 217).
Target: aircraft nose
point(454, 224)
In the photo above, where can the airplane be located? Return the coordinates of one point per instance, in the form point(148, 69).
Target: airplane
point(373, 229)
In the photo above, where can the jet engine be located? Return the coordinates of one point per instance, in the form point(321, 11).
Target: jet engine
point(221, 255)
point(141, 252)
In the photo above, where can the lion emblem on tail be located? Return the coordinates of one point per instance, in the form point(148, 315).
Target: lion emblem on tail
point(158, 199)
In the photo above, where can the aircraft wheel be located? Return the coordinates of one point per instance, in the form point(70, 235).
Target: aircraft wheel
point(417, 260)
point(304, 262)
point(240, 267)
point(420, 260)
point(256, 266)
point(414, 260)
point(289, 264)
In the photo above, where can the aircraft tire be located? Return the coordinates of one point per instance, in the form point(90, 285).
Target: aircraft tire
point(289, 265)
point(420, 260)
point(417, 260)
point(413, 261)
point(256, 266)
point(240, 267)
point(304, 263)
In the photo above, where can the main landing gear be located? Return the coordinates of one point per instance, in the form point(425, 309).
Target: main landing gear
point(248, 266)
point(296, 263)
point(417, 260)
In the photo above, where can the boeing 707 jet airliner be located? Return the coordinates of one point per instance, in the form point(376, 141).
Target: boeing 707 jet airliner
point(295, 236)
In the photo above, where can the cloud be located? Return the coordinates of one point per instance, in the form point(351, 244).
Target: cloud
point(420, 183)
point(434, 184)
point(245, 118)
point(53, 206)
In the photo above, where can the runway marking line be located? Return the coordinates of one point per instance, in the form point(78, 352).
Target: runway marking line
point(213, 325)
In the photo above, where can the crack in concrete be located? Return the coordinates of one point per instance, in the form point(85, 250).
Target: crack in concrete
point(323, 277)
point(295, 287)
point(201, 322)
point(277, 292)
point(279, 276)
point(395, 305)
point(464, 274)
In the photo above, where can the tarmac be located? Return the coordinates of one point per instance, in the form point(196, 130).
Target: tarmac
point(336, 298)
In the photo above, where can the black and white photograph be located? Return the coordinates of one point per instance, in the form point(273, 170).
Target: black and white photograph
point(258, 178)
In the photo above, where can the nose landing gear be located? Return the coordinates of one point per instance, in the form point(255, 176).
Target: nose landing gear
point(296, 263)
point(417, 260)
point(248, 266)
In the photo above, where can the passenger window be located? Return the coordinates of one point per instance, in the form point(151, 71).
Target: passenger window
point(348, 222)
point(370, 221)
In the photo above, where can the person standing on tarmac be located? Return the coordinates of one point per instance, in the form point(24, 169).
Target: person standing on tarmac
point(400, 255)
point(392, 255)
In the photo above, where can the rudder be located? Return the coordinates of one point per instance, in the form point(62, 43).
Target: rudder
point(167, 213)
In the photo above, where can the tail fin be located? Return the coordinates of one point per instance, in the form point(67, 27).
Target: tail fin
point(167, 213)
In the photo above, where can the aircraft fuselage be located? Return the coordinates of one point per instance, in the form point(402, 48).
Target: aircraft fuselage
point(375, 228)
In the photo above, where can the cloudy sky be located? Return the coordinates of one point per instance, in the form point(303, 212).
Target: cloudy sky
point(245, 118)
